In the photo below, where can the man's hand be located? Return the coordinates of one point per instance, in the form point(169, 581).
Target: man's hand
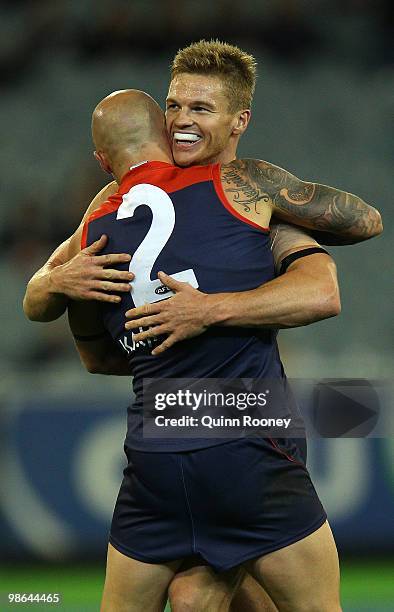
point(180, 317)
point(87, 276)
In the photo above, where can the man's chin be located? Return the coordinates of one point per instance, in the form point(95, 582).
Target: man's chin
point(185, 159)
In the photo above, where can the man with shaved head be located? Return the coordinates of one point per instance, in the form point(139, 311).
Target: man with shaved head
point(125, 121)
point(191, 223)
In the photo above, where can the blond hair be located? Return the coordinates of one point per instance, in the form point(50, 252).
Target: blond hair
point(234, 66)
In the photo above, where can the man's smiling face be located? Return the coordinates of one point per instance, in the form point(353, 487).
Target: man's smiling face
point(199, 124)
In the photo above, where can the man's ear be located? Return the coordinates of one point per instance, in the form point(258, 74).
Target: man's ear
point(242, 121)
point(102, 160)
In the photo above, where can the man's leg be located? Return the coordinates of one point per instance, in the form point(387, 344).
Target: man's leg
point(303, 577)
point(134, 586)
point(251, 597)
point(197, 588)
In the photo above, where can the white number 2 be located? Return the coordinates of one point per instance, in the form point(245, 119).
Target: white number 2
point(163, 222)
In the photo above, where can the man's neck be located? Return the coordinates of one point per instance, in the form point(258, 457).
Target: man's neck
point(228, 154)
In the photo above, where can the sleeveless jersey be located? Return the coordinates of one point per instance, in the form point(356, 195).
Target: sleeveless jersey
point(179, 220)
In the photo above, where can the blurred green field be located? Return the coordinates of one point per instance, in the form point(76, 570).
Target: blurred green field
point(366, 587)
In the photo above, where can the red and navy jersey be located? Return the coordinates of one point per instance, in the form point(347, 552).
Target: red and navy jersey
point(179, 220)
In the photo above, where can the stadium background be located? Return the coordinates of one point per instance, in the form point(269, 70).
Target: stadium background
point(322, 109)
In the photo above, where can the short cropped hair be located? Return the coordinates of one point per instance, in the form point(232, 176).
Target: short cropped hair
point(234, 66)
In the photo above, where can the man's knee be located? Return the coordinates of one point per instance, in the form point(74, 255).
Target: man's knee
point(194, 598)
point(185, 598)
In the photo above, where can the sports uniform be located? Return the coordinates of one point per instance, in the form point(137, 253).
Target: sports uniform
point(224, 501)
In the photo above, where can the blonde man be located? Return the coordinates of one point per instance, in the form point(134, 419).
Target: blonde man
point(255, 189)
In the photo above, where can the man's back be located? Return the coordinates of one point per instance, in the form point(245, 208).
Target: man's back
point(179, 221)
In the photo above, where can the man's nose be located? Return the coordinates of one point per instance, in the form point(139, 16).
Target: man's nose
point(183, 118)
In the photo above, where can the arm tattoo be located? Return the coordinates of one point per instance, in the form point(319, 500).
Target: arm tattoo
point(254, 184)
point(246, 193)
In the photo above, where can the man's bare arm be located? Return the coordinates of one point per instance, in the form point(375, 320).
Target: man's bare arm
point(96, 348)
point(255, 185)
point(306, 293)
point(49, 290)
point(41, 302)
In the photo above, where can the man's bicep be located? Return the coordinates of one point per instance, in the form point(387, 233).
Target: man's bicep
point(74, 245)
point(287, 239)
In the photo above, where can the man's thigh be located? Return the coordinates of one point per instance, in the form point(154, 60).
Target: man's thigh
point(302, 576)
point(135, 586)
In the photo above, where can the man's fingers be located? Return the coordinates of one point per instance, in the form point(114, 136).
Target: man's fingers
point(165, 345)
point(170, 282)
point(104, 297)
point(150, 333)
point(144, 322)
point(115, 275)
point(146, 309)
point(109, 286)
point(111, 258)
point(96, 246)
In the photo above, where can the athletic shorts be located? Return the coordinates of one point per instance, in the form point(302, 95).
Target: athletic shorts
point(224, 504)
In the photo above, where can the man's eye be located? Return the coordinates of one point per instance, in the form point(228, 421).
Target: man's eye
point(171, 106)
point(200, 108)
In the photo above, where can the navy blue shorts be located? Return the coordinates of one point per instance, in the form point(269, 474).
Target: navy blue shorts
point(224, 504)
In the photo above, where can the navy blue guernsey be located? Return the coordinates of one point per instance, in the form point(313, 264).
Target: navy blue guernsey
point(179, 220)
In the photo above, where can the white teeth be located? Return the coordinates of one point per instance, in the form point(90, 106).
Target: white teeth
point(184, 136)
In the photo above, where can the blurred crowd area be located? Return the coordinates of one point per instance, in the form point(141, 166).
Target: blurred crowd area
point(291, 30)
point(323, 109)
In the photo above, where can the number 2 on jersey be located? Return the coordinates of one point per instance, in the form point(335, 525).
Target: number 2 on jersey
point(163, 222)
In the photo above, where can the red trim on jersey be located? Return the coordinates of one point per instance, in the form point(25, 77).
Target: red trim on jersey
point(168, 177)
point(276, 447)
point(224, 200)
point(84, 236)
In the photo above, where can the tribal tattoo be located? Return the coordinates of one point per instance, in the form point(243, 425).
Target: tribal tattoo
point(254, 184)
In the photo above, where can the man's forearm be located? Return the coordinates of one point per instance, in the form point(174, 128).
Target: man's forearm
point(306, 293)
point(102, 357)
point(42, 302)
point(96, 348)
point(302, 296)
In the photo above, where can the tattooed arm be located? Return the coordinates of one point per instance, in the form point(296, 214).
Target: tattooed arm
point(258, 189)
